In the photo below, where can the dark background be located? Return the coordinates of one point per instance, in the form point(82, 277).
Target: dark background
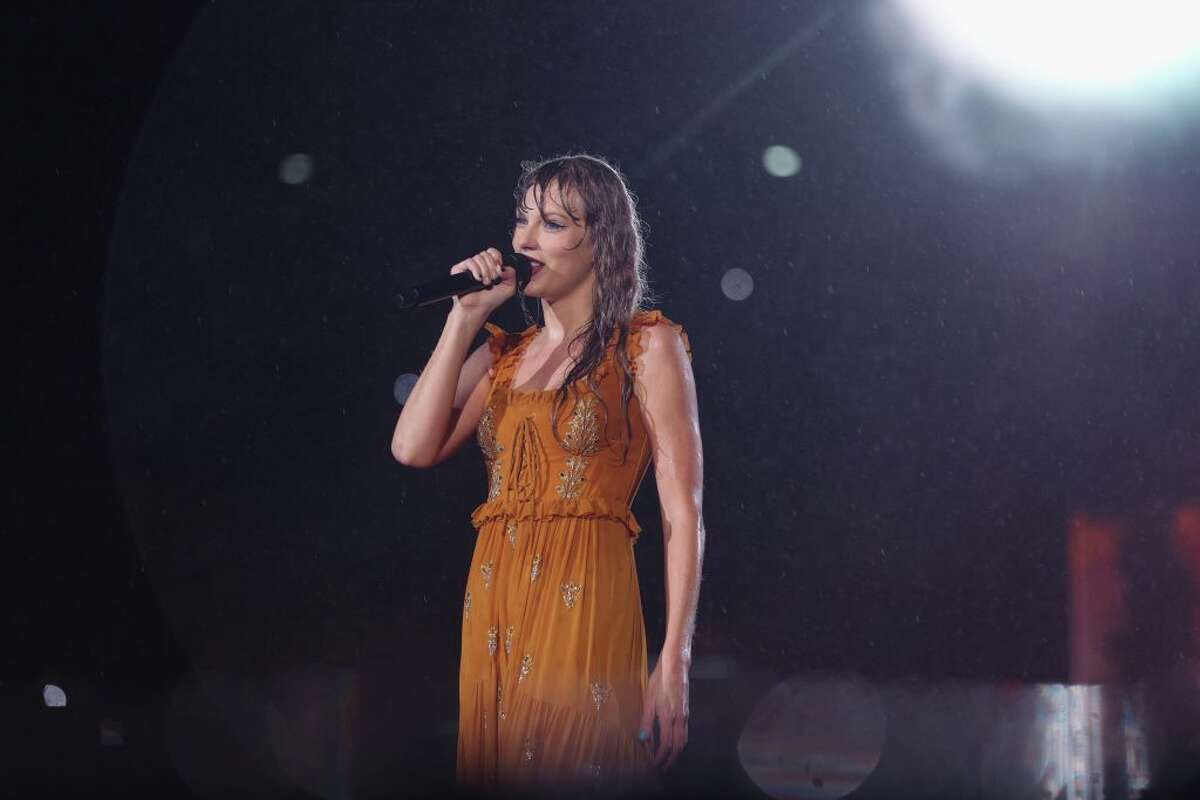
point(936, 369)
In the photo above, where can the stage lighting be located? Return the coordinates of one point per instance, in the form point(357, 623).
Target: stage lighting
point(1098, 52)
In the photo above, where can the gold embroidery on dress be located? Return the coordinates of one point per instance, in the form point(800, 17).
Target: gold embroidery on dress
point(582, 441)
point(500, 699)
point(486, 435)
point(570, 593)
point(600, 693)
point(467, 605)
point(486, 569)
point(526, 666)
point(510, 531)
point(493, 638)
point(534, 568)
point(508, 634)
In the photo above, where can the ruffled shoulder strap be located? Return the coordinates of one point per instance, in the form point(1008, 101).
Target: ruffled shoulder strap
point(648, 319)
point(504, 347)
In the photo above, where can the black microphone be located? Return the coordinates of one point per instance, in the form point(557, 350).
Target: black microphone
point(460, 283)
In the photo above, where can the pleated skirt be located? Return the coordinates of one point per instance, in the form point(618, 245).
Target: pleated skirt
point(553, 666)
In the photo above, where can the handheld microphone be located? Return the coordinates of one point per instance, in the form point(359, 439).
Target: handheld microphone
point(460, 283)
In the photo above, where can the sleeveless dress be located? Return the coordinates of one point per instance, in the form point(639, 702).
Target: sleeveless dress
point(553, 665)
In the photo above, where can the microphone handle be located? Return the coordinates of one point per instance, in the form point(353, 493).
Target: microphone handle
point(460, 283)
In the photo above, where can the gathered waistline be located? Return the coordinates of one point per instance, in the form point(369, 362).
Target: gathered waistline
point(593, 507)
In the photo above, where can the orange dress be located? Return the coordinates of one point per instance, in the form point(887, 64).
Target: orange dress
point(553, 665)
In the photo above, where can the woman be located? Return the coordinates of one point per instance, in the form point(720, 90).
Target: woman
point(553, 691)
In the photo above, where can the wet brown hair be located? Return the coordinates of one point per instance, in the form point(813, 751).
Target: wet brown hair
point(610, 219)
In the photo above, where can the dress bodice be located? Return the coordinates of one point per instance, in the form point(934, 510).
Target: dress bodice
point(533, 475)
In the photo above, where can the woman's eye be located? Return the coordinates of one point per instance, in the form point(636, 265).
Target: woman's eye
point(550, 224)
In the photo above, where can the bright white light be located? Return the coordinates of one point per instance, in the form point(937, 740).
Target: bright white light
point(1090, 50)
point(781, 161)
point(53, 696)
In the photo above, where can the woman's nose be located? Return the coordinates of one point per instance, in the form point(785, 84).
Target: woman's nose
point(524, 240)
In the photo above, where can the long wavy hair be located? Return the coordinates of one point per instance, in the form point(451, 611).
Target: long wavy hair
point(610, 218)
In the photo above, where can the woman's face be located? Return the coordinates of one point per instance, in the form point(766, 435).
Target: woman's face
point(561, 244)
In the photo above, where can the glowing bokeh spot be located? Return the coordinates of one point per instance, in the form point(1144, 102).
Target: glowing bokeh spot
point(403, 387)
point(1100, 52)
point(296, 169)
point(53, 696)
point(781, 161)
point(737, 284)
point(813, 738)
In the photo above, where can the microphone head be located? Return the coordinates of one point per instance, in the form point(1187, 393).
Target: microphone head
point(523, 267)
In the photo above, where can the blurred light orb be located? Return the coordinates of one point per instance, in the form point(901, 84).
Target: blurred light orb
point(781, 161)
point(296, 169)
point(53, 696)
point(814, 737)
point(1094, 52)
point(403, 387)
point(737, 284)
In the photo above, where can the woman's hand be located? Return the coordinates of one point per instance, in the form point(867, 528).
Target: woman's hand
point(667, 701)
point(487, 268)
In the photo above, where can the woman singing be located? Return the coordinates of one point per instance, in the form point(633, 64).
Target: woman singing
point(553, 686)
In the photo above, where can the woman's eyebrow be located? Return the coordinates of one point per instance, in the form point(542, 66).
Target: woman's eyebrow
point(555, 212)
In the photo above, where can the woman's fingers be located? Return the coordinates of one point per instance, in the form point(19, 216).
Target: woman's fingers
point(646, 727)
point(481, 269)
point(485, 266)
point(672, 739)
point(649, 701)
point(666, 741)
point(678, 741)
point(490, 262)
point(497, 259)
point(660, 746)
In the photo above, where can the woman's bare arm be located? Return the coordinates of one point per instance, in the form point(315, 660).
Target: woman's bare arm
point(666, 389)
point(444, 406)
point(667, 392)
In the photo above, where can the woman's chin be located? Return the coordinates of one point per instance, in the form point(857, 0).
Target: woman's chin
point(533, 288)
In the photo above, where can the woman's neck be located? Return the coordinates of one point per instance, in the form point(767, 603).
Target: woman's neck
point(567, 316)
